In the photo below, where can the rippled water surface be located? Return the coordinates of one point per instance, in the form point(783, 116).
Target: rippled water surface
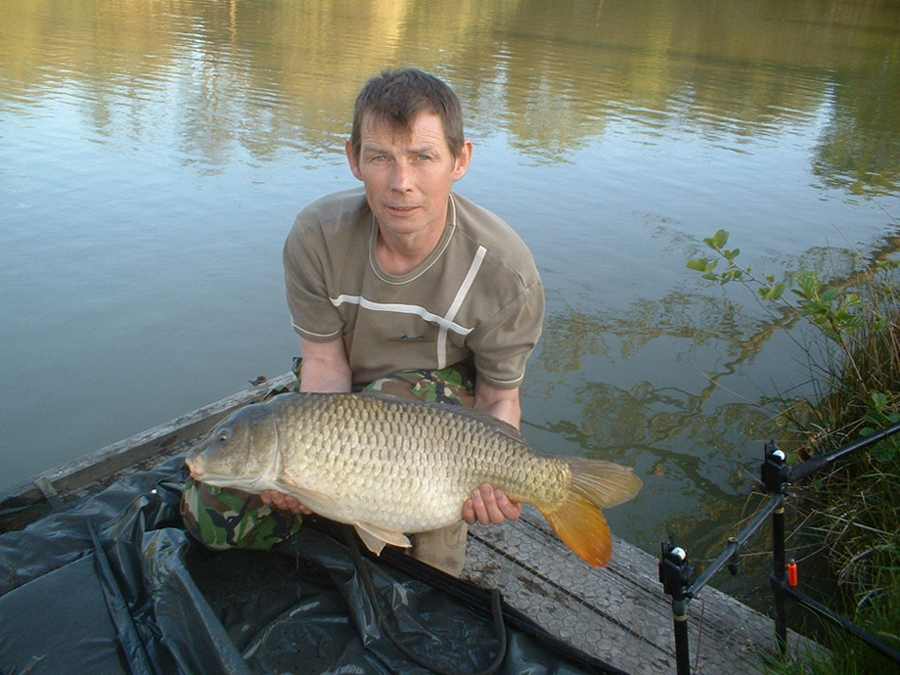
point(153, 155)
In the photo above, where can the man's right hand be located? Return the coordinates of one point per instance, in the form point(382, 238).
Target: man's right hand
point(284, 502)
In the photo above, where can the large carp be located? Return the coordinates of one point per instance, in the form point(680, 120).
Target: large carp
point(390, 466)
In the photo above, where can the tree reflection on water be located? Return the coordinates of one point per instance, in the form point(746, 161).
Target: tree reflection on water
point(267, 77)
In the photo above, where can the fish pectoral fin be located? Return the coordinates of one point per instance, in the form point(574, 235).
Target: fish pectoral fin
point(375, 537)
point(374, 544)
point(310, 498)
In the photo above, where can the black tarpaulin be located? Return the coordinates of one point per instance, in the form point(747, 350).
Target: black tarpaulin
point(115, 585)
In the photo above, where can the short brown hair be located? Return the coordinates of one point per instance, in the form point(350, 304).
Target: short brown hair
point(397, 96)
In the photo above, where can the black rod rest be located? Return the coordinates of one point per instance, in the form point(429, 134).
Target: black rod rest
point(675, 574)
point(776, 476)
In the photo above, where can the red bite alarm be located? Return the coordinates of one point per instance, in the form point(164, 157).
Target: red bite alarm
point(793, 577)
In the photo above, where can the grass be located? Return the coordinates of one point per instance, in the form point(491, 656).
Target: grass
point(852, 509)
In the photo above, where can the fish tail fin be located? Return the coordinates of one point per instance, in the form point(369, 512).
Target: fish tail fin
point(582, 528)
point(579, 520)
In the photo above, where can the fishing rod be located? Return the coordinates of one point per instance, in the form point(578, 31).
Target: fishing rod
point(676, 573)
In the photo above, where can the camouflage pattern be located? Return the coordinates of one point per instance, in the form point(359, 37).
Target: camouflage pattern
point(223, 518)
point(454, 385)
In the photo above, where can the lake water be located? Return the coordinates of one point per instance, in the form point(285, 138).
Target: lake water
point(153, 156)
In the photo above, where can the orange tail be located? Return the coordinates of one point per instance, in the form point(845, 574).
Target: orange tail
point(579, 522)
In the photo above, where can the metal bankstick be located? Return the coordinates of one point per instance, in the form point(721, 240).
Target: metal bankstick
point(775, 474)
point(674, 573)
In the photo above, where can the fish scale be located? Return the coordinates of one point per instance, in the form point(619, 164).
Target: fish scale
point(408, 453)
point(391, 466)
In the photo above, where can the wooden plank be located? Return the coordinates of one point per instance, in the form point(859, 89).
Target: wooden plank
point(159, 441)
point(618, 613)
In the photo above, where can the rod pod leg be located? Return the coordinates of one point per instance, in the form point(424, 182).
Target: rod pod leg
point(675, 574)
point(778, 578)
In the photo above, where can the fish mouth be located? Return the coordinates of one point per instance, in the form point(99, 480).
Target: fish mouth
point(201, 475)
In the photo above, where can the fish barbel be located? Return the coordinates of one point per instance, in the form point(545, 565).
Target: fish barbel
point(389, 466)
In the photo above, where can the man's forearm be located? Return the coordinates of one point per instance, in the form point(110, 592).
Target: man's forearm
point(503, 408)
point(508, 411)
point(318, 376)
point(325, 369)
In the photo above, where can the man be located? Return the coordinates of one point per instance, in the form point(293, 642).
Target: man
point(407, 288)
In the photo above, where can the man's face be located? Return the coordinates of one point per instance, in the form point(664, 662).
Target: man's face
point(408, 174)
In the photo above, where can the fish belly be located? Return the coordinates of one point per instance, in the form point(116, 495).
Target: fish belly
point(392, 502)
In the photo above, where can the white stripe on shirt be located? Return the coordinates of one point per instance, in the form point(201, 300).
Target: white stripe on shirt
point(309, 332)
point(456, 304)
point(365, 303)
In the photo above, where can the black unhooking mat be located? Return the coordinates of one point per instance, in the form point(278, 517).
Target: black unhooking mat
point(115, 585)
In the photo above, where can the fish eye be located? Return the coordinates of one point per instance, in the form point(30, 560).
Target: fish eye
point(224, 436)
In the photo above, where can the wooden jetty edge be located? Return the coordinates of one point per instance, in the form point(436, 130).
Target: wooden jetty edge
point(618, 613)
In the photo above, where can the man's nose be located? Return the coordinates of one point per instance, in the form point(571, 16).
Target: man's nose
point(401, 177)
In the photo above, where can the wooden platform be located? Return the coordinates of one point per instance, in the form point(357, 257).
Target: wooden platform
point(618, 613)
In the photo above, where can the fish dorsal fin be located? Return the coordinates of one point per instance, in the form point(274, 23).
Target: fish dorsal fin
point(459, 410)
point(375, 537)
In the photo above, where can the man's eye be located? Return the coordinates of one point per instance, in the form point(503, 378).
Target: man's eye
point(424, 158)
point(377, 158)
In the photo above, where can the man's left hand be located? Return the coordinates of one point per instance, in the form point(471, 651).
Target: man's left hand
point(488, 505)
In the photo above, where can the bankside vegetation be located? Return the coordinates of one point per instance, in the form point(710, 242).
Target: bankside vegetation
point(850, 510)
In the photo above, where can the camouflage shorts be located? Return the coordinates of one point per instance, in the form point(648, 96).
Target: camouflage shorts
point(454, 385)
point(223, 518)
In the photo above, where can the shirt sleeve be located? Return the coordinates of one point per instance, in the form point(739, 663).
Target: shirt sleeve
point(502, 344)
point(313, 316)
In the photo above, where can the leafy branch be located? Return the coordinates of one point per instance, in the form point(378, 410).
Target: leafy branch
point(832, 310)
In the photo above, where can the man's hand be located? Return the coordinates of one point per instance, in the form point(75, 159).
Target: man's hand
point(488, 505)
point(284, 502)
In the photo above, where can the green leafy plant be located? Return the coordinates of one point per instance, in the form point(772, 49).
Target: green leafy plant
point(883, 411)
point(833, 310)
point(852, 508)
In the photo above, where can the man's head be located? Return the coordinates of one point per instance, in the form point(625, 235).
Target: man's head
point(398, 96)
point(409, 150)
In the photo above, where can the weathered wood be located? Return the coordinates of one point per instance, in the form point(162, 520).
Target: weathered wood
point(159, 441)
point(618, 613)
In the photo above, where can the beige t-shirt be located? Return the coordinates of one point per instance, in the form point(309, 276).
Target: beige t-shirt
point(477, 295)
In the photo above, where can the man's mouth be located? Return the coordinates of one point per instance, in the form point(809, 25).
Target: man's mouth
point(401, 209)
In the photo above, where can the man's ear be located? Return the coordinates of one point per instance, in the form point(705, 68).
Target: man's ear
point(462, 161)
point(352, 160)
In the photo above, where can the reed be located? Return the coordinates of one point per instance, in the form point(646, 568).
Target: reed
point(853, 509)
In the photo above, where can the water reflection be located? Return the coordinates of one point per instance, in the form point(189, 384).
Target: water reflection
point(279, 76)
point(157, 152)
point(699, 432)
